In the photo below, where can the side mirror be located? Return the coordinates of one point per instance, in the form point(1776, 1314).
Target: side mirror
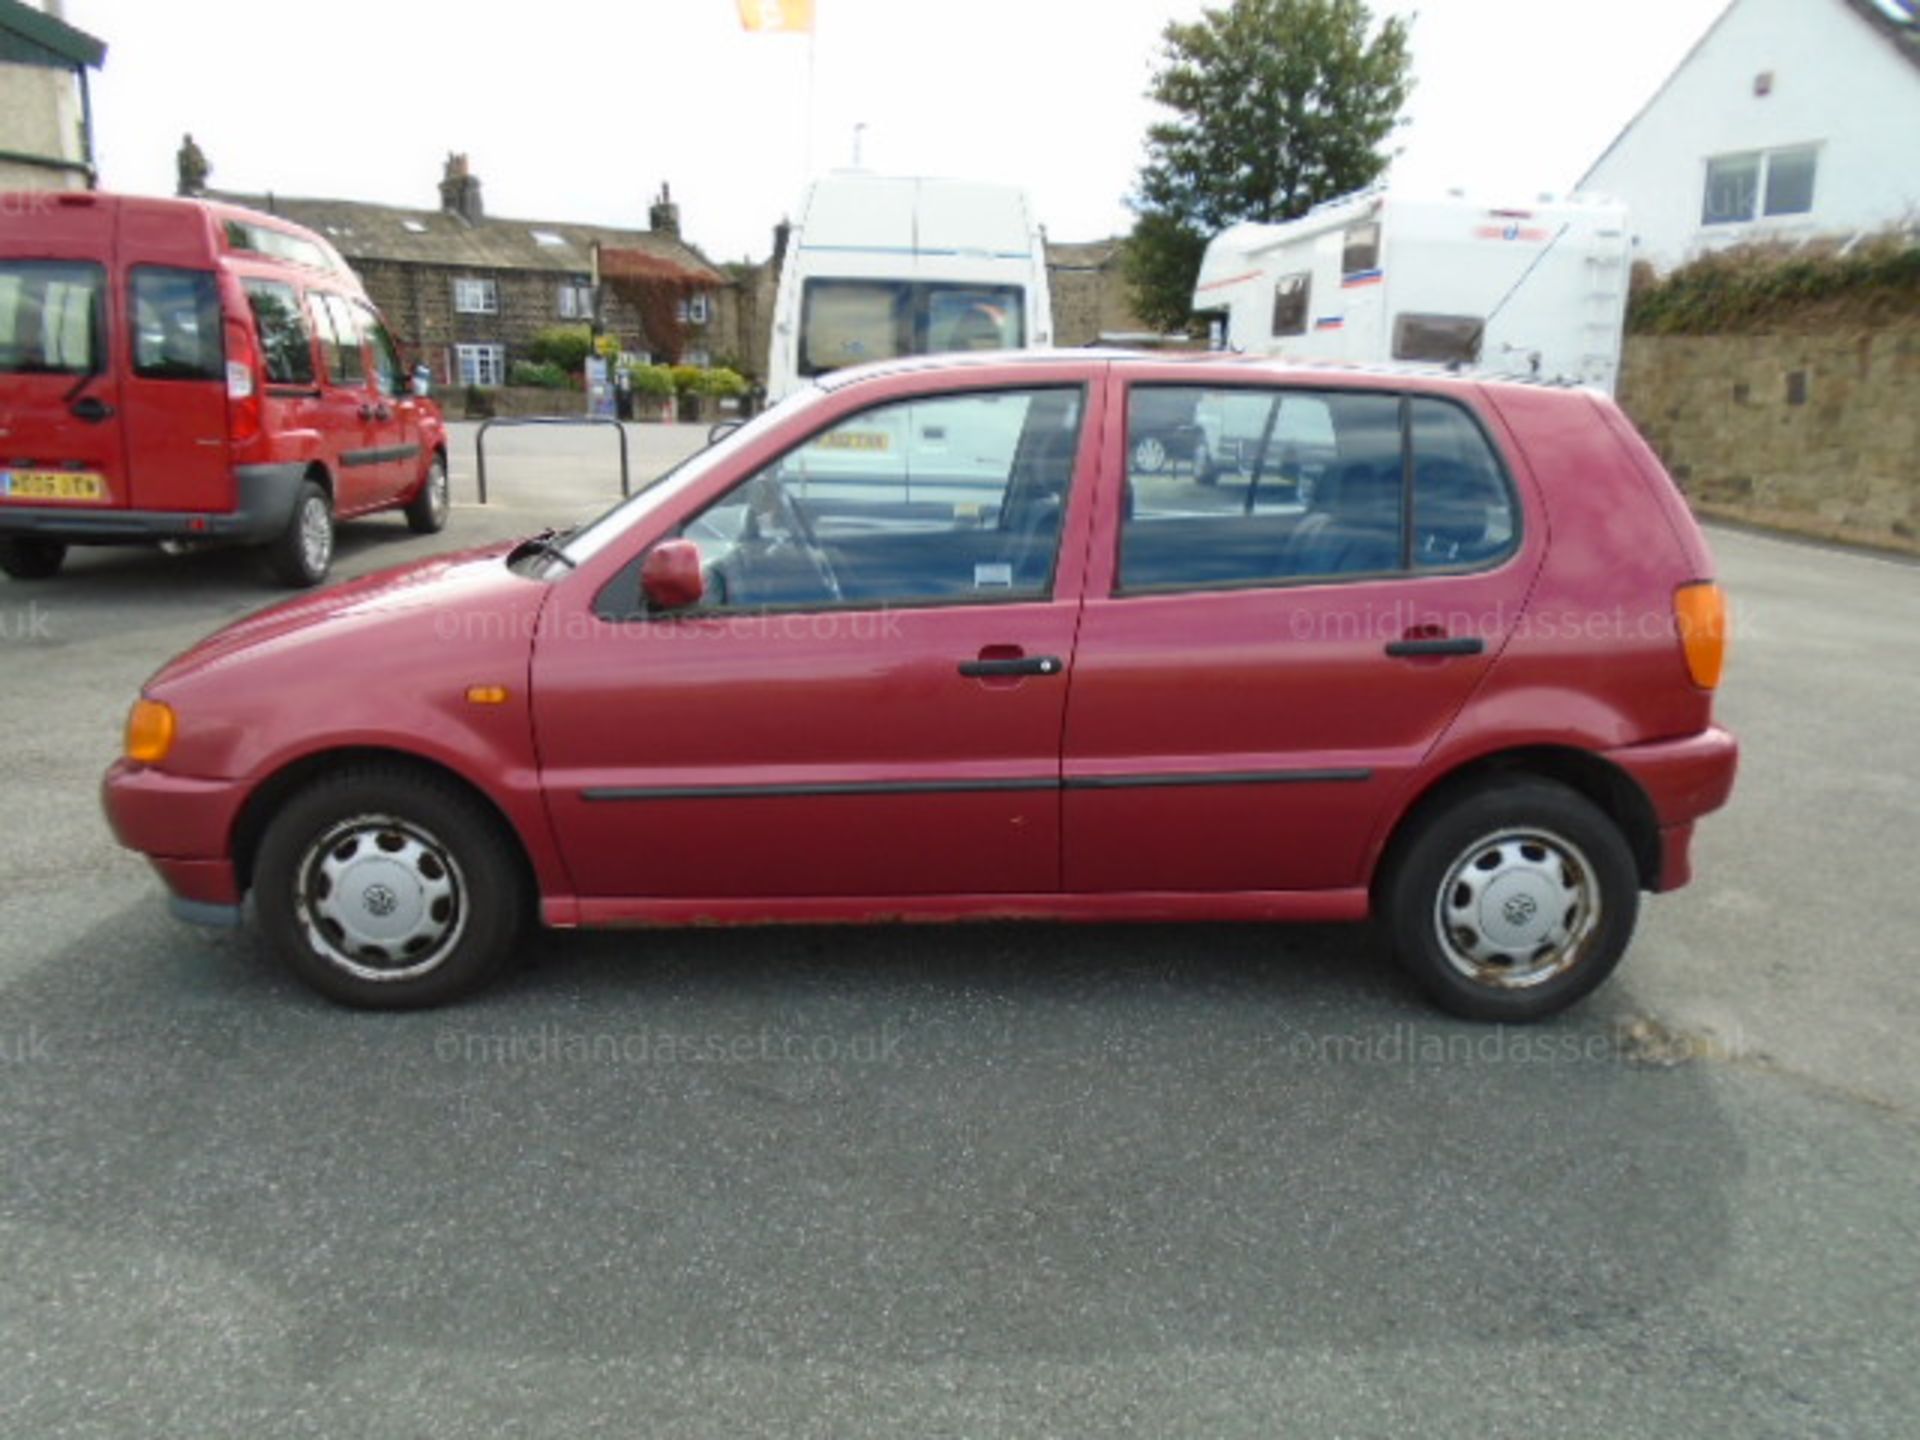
point(670, 577)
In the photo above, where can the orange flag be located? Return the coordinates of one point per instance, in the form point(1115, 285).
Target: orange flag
point(772, 16)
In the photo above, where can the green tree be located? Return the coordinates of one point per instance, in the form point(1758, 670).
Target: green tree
point(1277, 105)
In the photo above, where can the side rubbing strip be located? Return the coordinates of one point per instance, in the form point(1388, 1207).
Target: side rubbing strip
point(605, 793)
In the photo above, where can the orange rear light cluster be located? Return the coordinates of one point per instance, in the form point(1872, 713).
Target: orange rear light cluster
point(1700, 616)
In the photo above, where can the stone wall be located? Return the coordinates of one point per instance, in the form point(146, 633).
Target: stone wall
point(1816, 433)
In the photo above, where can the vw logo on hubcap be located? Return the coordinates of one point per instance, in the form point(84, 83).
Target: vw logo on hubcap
point(1519, 909)
point(380, 901)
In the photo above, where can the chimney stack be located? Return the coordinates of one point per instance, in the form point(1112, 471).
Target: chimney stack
point(664, 217)
point(460, 190)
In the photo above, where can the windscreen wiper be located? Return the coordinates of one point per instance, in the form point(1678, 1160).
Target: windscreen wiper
point(548, 543)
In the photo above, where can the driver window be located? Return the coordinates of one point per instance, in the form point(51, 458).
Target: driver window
point(954, 498)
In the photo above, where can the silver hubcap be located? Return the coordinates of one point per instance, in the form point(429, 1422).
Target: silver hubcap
point(1149, 455)
point(380, 899)
point(438, 498)
point(1517, 909)
point(316, 535)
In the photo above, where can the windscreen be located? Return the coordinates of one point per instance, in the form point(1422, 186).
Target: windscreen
point(850, 322)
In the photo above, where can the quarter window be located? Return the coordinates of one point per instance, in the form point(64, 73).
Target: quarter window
point(176, 325)
point(286, 343)
point(475, 295)
point(1290, 295)
point(1462, 509)
point(952, 499)
point(50, 317)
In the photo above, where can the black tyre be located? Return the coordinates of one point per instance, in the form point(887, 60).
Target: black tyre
point(26, 557)
point(303, 553)
point(1512, 901)
point(388, 889)
point(427, 512)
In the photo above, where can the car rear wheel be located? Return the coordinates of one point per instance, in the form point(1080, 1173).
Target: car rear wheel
point(27, 557)
point(427, 512)
point(388, 889)
point(303, 553)
point(1512, 902)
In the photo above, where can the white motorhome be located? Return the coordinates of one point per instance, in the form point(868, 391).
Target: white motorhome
point(1536, 289)
point(881, 265)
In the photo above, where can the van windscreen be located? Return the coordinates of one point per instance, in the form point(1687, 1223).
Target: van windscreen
point(849, 322)
point(51, 317)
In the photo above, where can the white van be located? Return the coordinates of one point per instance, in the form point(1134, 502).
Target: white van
point(880, 265)
point(1535, 290)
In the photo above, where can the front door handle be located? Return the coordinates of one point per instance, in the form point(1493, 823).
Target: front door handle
point(92, 409)
point(1437, 645)
point(1000, 666)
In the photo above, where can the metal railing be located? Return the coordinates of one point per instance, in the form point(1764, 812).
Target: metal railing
point(480, 442)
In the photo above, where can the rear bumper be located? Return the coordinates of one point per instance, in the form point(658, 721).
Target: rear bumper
point(265, 495)
point(1682, 780)
point(182, 825)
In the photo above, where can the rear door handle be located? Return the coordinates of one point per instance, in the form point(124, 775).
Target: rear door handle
point(1012, 665)
point(92, 409)
point(1437, 645)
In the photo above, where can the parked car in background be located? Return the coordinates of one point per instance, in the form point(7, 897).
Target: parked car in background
point(186, 371)
point(1467, 689)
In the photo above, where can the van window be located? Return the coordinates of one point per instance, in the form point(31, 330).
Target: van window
point(285, 341)
point(1448, 339)
point(51, 317)
point(176, 324)
point(849, 322)
point(266, 240)
point(386, 360)
point(1290, 304)
point(339, 337)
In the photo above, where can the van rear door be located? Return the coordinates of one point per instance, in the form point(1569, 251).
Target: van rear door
point(60, 432)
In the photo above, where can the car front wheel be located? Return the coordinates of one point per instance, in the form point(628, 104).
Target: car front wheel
point(427, 512)
point(387, 889)
point(1512, 902)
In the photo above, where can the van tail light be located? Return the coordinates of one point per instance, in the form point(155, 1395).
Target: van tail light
point(1700, 616)
point(245, 420)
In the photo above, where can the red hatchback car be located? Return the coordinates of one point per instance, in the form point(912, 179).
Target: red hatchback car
point(918, 645)
point(196, 373)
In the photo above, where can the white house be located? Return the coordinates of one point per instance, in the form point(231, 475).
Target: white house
point(1789, 118)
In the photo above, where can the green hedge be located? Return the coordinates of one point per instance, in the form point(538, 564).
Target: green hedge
point(1761, 288)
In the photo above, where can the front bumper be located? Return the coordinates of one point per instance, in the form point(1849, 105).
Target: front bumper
point(264, 494)
point(184, 826)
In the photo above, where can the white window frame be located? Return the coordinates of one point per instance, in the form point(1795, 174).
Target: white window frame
point(483, 364)
point(698, 309)
point(1762, 179)
point(575, 301)
point(475, 295)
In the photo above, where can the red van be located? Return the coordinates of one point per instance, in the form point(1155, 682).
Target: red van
point(921, 643)
point(187, 371)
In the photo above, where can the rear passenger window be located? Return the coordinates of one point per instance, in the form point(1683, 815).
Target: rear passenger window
point(176, 325)
point(285, 341)
point(50, 317)
point(339, 337)
point(1462, 507)
point(1283, 485)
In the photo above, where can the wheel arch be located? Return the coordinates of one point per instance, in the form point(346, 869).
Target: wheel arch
point(1611, 789)
point(250, 825)
point(321, 476)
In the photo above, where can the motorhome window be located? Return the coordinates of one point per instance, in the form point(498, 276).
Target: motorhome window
point(176, 325)
point(50, 317)
point(952, 498)
point(1361, 250)
point(849, 322)
point(286, 342)
point(1290, 295)
point(1283, 486)
point(265, 240)
point(1444, 339)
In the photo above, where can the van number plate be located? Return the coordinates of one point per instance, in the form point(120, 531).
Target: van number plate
point(51, 485)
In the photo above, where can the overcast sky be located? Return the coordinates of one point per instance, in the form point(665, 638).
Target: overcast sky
point(578, 109)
